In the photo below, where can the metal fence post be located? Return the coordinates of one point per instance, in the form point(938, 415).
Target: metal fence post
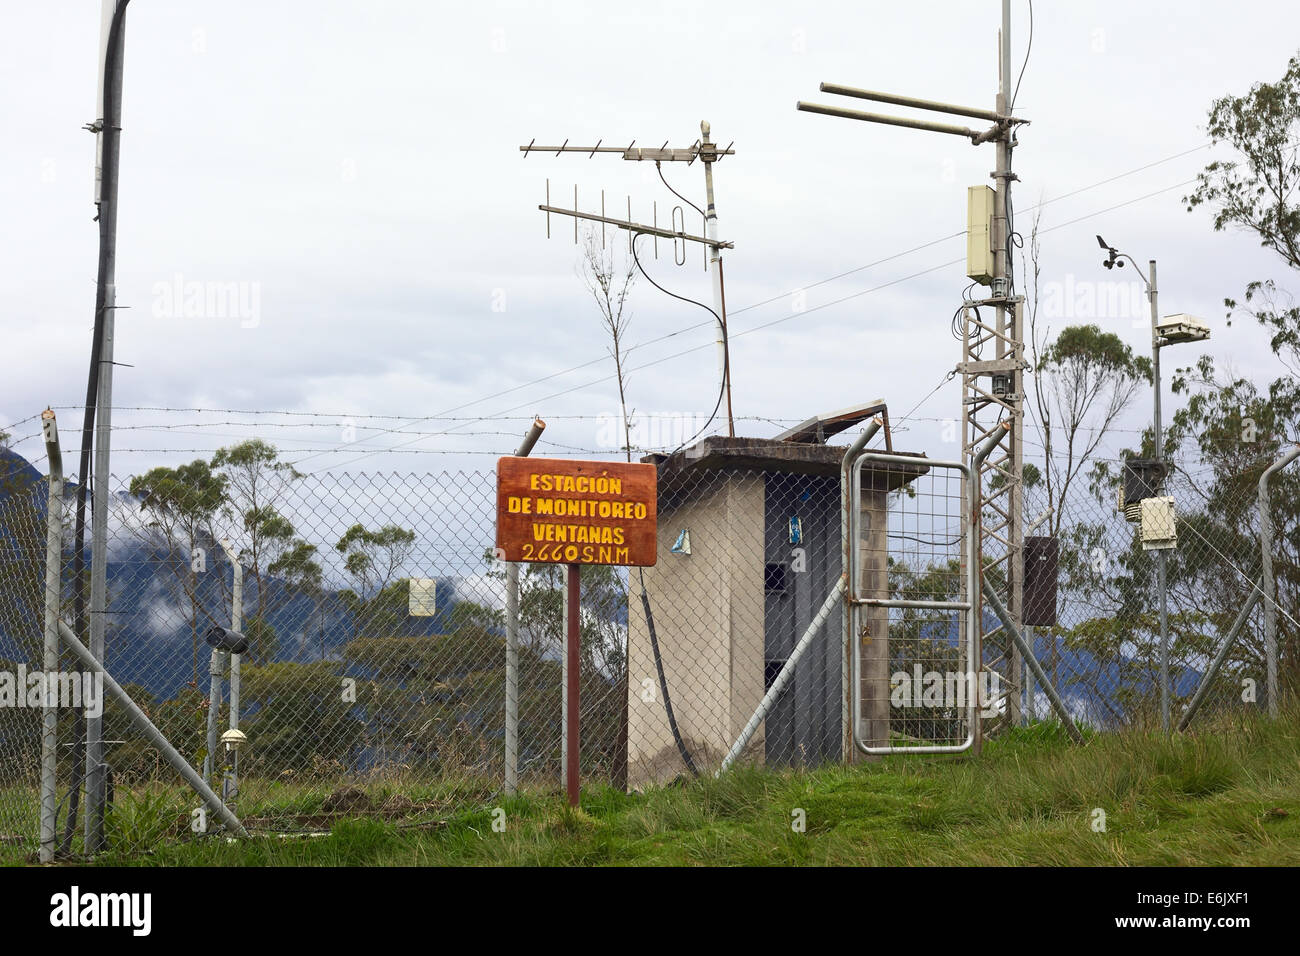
point(50, 658)
point(1266, 562)
point(151, 732)
point(512, 643)
point(1220, 656)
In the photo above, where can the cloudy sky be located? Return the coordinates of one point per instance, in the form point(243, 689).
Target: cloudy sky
point(352, 166)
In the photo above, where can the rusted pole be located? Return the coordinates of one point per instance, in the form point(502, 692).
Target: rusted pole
point(573, 589)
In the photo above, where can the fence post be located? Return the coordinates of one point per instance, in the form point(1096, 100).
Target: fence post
point(151, 732)
point(512, 642)
point(50, 658)
point(1266, 561)
point(1220, 656)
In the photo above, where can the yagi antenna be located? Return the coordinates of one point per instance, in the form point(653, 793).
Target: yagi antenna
point(707, 153)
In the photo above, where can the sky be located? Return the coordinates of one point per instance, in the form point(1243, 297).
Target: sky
point(351, 170)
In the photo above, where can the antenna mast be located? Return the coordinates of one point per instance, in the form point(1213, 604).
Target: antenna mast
point(707, 153)
point(992, 385)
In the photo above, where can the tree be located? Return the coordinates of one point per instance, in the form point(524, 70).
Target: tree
point(609, 284)
point(374, 560)
point(182, 502)
point(256, 485)
point(1084, 380)
point(1236, 425)
point(1256, 192)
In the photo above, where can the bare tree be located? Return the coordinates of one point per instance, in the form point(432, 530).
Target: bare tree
point(1084, 380)
point(610, 280)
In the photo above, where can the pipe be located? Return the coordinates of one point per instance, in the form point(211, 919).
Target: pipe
point(114, 28)
point(896, 100)
point(787, 672)
point(573, 675)
point(236, 624)
point(512, 641)
point(50, 657)
point(1220, 656)
point(1266, 562)
point(152, 733)
point(887, 120)
point(846, 546)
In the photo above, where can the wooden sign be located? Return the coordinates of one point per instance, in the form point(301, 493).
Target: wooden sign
point(562, 511)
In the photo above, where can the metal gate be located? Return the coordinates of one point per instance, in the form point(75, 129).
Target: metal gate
point(912, 597)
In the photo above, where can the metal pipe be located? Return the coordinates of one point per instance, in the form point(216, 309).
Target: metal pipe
point(1161, 558)
point(152, 733)
point(512, 641)
point(572, 628)
point(912, 101)
point(1220, 656)
point(636, 227)
point(1266, 563)
point(928, 605)
point(564, 674)
point(719, 300)
point(887, 120)
point(214, 706)
point(787, 672)
point(50, 656)
point(846, 551)
point(990, 595)
point(113, 36)
point(236, 624)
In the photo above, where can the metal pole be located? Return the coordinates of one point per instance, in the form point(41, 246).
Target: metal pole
point(849, 616)
point(114, 27)
point(1208, 678)
point(990, 595)
point(214, 705)
point(719, 297)
point(236, 624)
point(787, 672)
point(215, 667)
point(512, 642)
point(152, 733)
point(1266, 561)
point(50, 657)
point(1161, 567)
point(572, 616)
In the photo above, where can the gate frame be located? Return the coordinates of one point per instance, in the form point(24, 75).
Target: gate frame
point(972, 604)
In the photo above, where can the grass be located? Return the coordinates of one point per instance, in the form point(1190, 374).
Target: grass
point(1229, 795)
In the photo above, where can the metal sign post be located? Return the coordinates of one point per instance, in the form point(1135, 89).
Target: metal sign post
point(571, 512)
point(572, 597)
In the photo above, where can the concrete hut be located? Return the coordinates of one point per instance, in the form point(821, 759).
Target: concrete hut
point(749, 546)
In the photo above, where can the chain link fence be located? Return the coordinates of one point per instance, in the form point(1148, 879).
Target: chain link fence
point(1103, 649)
point(374, 678)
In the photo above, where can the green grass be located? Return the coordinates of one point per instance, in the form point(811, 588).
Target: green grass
point(1229, 795)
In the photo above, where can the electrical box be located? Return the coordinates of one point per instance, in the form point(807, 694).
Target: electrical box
point(1159, 524)
point(1041, 559)
point(979, 234)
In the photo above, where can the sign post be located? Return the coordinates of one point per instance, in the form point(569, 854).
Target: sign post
point(573, 512)
point(572, 598)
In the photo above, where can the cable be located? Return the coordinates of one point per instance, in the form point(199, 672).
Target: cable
point(722, 325)
point(674, 191)
point(768, 301)
point(1029, 46)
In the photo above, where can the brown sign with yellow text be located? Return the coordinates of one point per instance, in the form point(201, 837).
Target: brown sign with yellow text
point(561, 511)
